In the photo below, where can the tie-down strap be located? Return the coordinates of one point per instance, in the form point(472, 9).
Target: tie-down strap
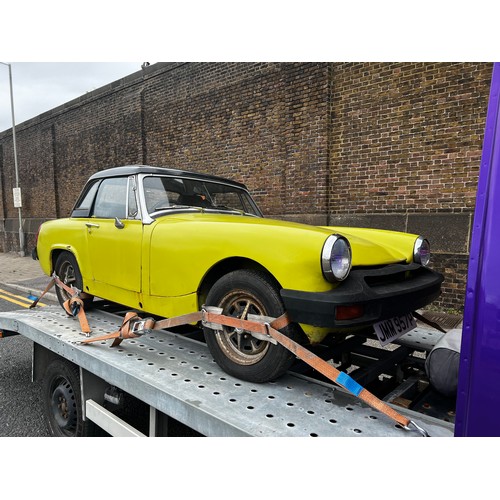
point(211, 317)
point(73, 306)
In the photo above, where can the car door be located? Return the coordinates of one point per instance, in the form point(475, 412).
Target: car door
point(114, 235)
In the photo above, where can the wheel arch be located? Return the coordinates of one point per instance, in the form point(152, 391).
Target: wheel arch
point(54, 255)
point(56, 251)
point(226, 266)
point(62, 295)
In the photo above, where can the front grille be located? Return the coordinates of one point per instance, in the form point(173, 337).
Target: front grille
point(389, 275)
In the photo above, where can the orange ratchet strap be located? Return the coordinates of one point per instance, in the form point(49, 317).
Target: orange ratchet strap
point(326, 369)
point(52, 282)
point(73, 306)
point(134, 326)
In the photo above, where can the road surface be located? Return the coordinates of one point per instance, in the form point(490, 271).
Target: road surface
point(21, 411)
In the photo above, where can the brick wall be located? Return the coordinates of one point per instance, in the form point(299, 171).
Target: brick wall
point(262, 124)
point(390, 145)
point(411, 133)
point(406, 142)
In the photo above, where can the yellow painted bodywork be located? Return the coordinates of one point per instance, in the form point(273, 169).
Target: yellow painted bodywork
point(160, 267)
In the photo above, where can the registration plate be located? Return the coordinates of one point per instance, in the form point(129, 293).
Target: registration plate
point(389, 330)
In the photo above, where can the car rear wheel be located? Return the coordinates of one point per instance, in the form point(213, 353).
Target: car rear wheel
point(238, 353)
point(67, 270)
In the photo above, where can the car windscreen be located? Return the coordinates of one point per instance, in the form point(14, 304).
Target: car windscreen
point(167, 193)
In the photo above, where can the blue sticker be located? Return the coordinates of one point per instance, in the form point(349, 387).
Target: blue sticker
point(349, 383)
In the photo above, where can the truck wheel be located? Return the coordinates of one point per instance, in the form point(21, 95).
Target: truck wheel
point(62, 400)
point(66, 268)
point(240, 293)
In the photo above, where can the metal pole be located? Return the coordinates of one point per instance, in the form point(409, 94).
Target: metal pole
point(21, 232)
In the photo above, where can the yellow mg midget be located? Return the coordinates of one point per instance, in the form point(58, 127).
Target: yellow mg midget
point(168, 242)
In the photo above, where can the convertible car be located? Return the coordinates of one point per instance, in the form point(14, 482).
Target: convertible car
point(167, 242)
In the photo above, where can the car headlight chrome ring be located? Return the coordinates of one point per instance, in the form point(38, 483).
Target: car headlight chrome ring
point(336, 258)
point(422, 251)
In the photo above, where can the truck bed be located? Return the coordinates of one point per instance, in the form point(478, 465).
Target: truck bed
point(177, 376)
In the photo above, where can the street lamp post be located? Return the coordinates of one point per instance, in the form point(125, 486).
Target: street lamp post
point(21, 232)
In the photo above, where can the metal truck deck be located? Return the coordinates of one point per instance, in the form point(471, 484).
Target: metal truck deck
point(177, 376)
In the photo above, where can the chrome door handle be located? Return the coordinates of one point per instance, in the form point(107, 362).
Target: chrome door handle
point(91, 225)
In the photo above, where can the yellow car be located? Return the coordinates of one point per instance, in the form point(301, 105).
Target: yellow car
point(167, 242)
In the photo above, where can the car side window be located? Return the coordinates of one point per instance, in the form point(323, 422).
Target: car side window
point(111, 199)
point(84, 204)
point(87, 200)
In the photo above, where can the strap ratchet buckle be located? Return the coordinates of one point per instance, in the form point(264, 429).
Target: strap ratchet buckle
point(141, 326)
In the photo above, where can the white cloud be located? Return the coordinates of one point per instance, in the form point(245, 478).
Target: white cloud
point(39, 86)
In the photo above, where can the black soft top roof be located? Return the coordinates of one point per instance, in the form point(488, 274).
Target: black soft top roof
point(146, 169)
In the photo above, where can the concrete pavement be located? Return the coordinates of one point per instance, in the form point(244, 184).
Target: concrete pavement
point(24, 274)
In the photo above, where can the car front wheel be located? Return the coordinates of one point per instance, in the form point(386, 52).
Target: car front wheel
point(238, 353)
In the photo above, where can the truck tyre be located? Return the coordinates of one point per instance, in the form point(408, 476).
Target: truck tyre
point(67, 270)
point(62, 400)
point(240, 293)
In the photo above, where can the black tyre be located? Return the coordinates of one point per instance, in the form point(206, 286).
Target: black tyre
point(240, 293)
point(62, 400)
point(68, 272)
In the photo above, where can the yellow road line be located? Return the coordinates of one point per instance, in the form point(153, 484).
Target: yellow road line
point(11, 297)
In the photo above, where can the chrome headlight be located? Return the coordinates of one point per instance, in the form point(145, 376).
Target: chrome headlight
point(422, 251)
point(336, 258)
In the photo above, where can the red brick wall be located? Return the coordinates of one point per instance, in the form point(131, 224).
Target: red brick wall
point(390, 145)
point(407, 137)
point(262, 124)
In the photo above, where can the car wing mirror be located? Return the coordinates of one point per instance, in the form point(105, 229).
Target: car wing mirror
point(118, 223)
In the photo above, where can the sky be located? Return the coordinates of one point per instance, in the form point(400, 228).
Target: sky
point(40, 86)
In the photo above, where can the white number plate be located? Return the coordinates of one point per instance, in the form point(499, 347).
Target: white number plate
point(391, 329)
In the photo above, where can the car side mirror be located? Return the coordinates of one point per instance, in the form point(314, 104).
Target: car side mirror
point(118, 223)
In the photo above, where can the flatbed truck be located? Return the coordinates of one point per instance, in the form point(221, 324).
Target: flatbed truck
point(173, 375)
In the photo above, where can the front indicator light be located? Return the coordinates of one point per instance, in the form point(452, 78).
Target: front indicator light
point(348, 312)
point(336, 258)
